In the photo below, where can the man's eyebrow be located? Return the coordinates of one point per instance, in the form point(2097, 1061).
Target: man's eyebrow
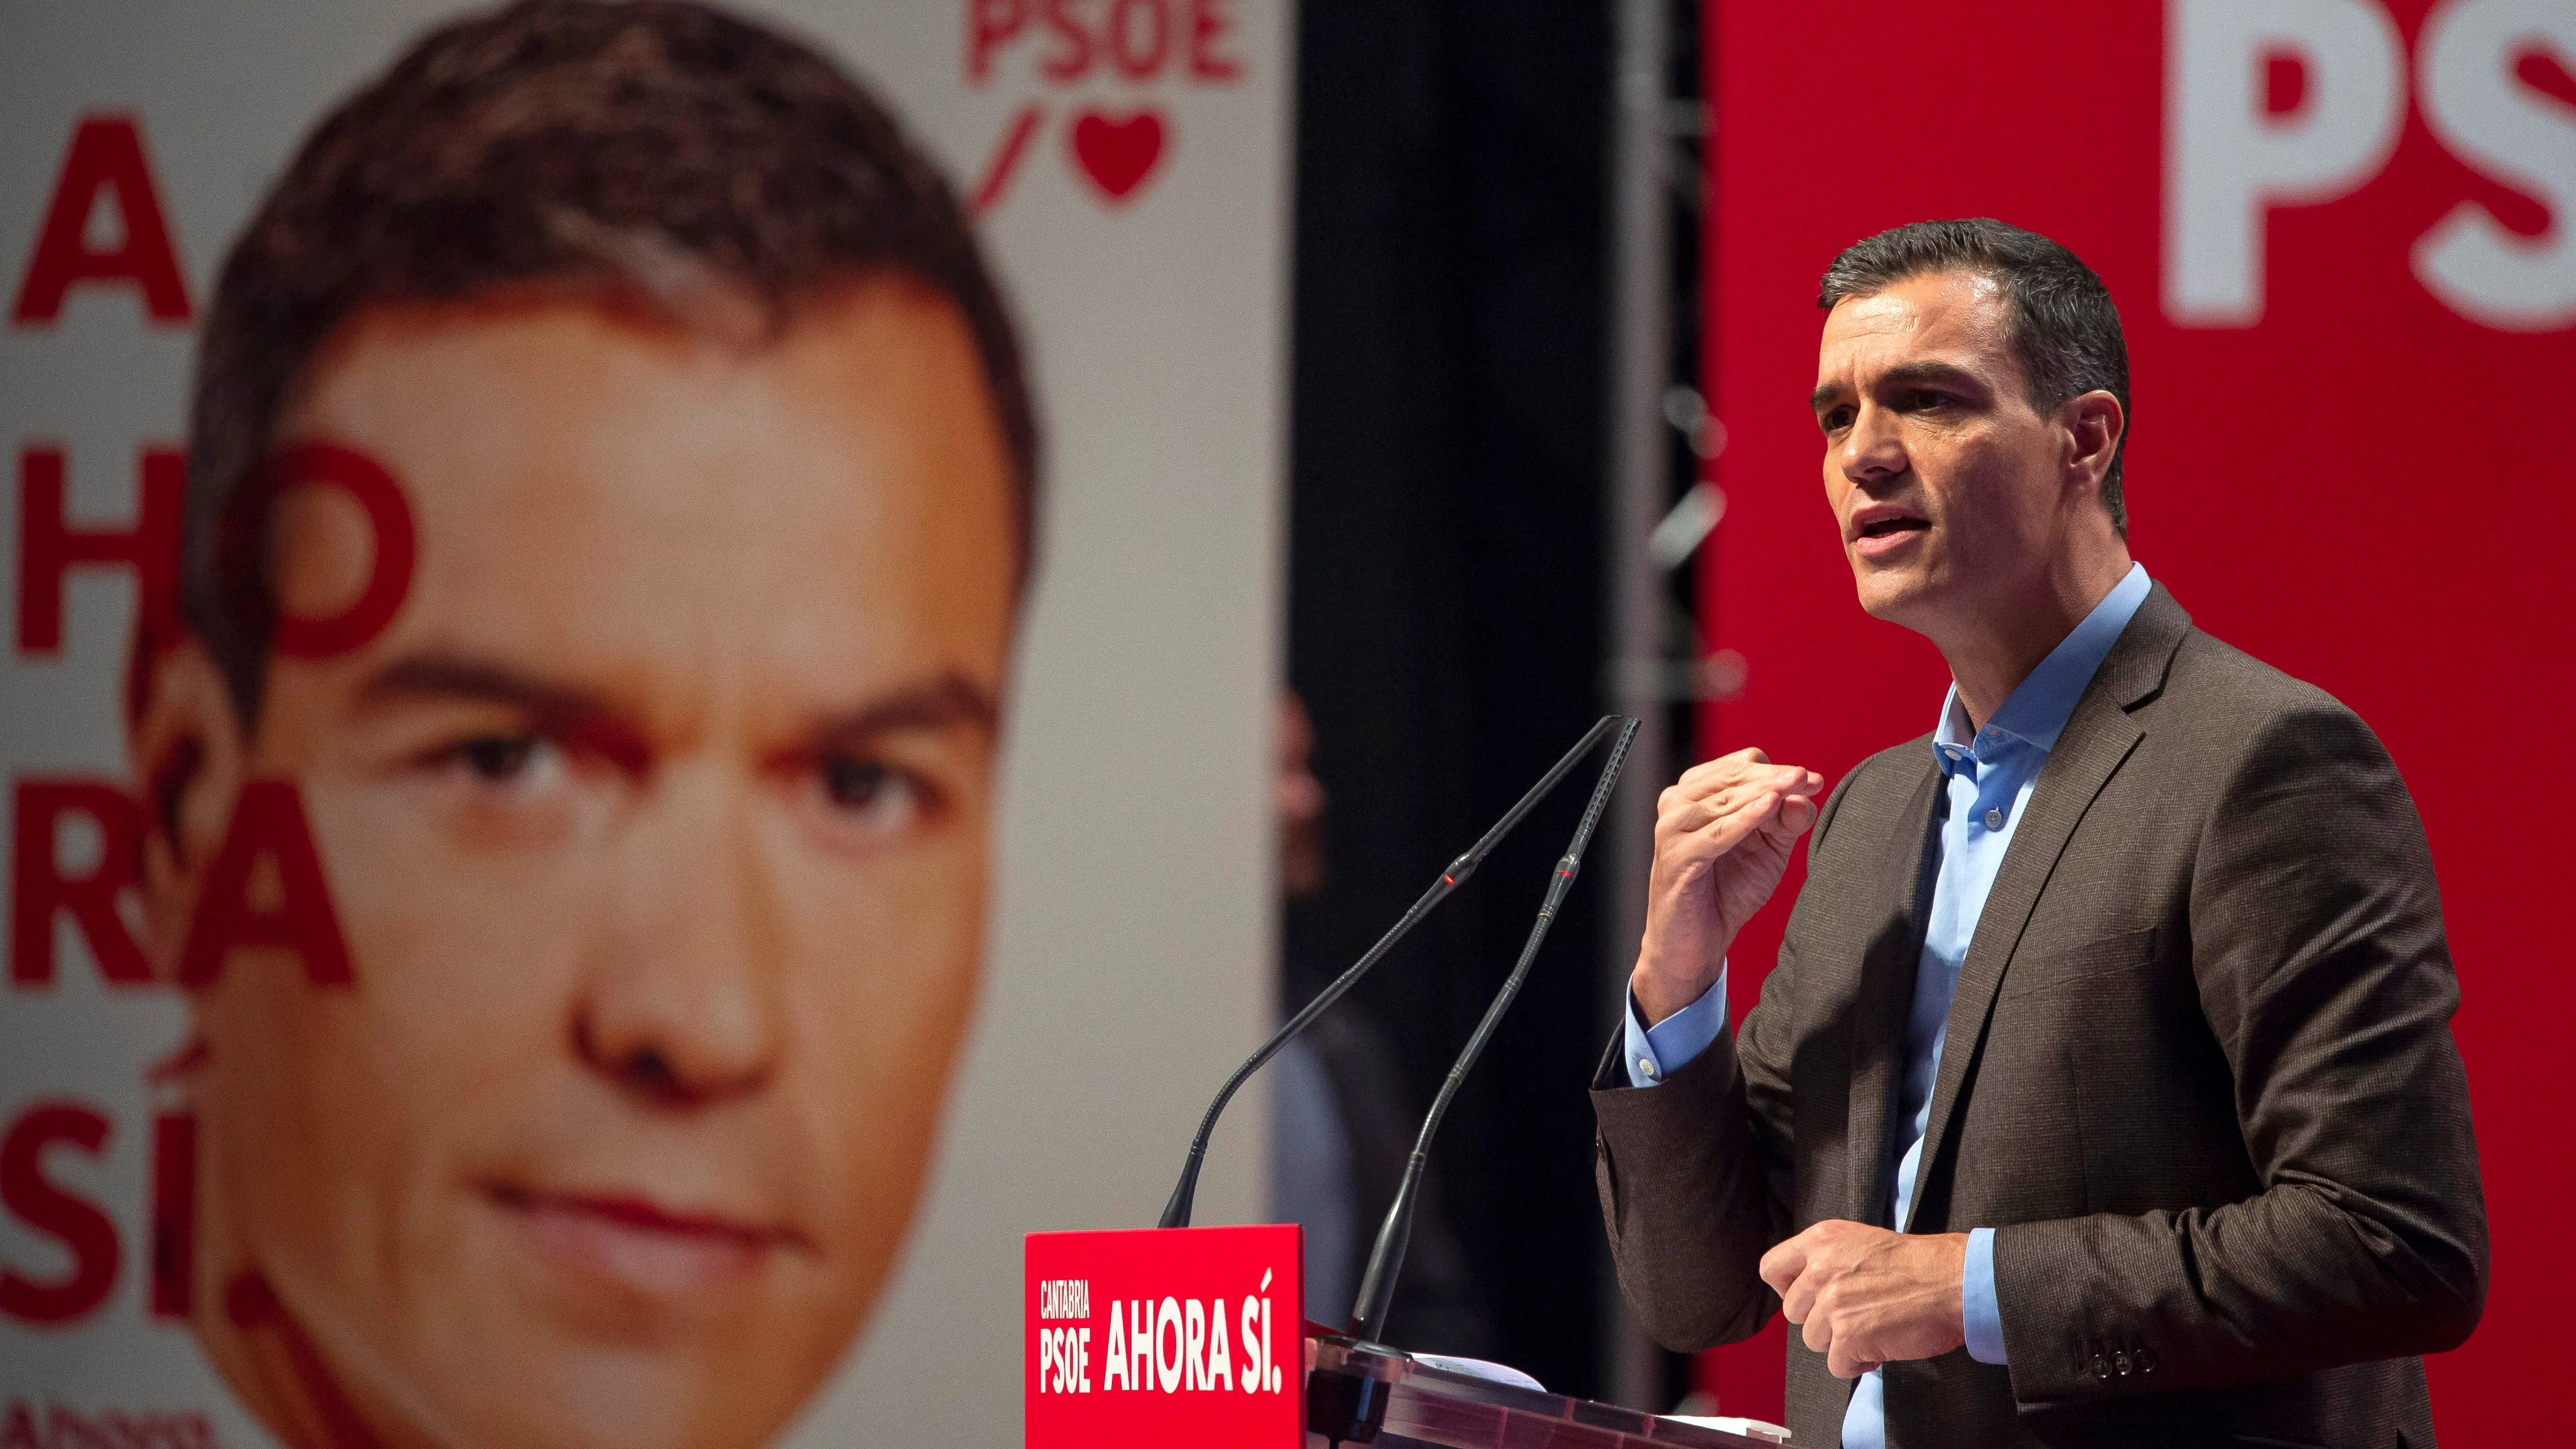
point(950, 699)
point(1927, 373)
point(453, 676)
point(1946, 374)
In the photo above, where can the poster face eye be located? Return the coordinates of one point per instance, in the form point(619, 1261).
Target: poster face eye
point(874, 798)
point(520, 764)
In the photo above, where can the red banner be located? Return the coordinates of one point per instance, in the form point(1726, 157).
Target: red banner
point(2342, 236)
point(1182, 1336)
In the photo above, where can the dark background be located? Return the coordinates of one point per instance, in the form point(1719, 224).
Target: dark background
point(1446, 585)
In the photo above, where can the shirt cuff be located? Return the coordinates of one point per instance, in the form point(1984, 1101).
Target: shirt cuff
point(1985, 1317)
point(1670, 1045)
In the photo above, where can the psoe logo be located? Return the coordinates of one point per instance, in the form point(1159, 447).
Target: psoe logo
point(1168, 1345)
point(2480, 67)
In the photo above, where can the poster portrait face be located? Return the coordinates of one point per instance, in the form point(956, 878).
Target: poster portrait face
point(655, 821)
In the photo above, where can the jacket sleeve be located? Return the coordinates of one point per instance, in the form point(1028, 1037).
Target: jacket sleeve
point(2319, 955)
point(1695, 1174)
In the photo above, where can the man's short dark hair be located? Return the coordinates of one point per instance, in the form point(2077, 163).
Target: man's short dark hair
point(2063, 326)
point(636, 151)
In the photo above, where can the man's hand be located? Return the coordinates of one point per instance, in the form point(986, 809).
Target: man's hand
point(1867, 1296)
point(1722, 839)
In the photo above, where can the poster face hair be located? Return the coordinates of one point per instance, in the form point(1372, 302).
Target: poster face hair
point(660, 156)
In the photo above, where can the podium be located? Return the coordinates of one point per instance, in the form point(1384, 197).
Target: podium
point(1182, 1337)
point(1432, 1408)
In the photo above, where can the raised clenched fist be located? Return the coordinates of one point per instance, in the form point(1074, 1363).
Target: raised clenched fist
point(1722, 839)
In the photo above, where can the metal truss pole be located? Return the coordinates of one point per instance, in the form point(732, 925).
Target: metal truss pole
point(1640, 361)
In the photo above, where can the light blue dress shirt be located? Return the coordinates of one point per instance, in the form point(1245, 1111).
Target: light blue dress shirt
point(1989, 781)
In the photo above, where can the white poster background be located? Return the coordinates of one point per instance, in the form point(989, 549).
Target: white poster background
point(1130, 962)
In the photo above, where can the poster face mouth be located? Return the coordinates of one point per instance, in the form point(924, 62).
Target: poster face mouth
point(637, 1244)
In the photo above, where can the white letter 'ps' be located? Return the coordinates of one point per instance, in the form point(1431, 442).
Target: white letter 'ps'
point(2485, 116)
point(2227, 162)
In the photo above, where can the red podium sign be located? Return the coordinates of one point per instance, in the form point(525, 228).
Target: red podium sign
point(1165, 1336)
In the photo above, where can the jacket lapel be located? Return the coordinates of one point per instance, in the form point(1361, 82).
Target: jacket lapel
point(1885, 995)
point(2098, 738)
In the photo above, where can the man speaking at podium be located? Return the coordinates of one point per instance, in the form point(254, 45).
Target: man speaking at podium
point(2104, 1091)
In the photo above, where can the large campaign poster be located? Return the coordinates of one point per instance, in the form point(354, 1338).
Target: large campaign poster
point(2342, 238)
point(659, 754)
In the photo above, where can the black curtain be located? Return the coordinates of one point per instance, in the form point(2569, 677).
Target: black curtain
point(1445, 618)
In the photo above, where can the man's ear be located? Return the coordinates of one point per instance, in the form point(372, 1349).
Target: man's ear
point(189, 749)
point(2094, 424)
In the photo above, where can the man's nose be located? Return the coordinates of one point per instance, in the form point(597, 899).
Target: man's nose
point(682, 1004)
point(1874, 448)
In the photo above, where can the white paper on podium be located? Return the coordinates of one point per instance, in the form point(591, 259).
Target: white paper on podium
point(1729, 1424)
point(1477, 1368)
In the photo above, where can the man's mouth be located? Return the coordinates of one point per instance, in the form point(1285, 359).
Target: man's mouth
point(1881, 528)
point(641, 1244)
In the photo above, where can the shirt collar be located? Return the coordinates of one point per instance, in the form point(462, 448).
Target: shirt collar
point(2037, 712)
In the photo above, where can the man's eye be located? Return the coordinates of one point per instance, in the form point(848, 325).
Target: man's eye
point(1924, 400)
point(882, 797)
point(1837, 420)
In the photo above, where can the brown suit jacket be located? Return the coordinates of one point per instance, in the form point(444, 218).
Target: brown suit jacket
point(2199, 1077)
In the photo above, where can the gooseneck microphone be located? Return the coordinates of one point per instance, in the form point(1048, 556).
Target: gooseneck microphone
point(1377, 1286)
point(1345, 1407)
point(1176, 1213)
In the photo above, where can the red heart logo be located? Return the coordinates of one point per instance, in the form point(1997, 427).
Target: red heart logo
point(1118, 154)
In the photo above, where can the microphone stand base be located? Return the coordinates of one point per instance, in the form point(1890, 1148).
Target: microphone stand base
point(1346, 1408)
